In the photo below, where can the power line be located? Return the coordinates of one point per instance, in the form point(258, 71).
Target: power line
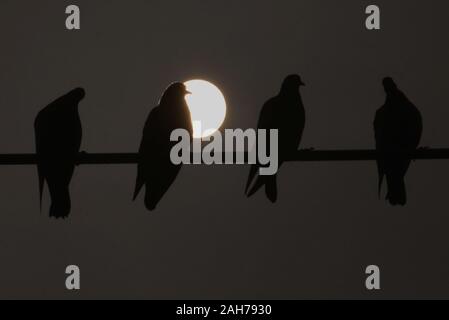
point(299, 156)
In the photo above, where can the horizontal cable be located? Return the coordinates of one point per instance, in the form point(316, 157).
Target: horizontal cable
point(299, 156)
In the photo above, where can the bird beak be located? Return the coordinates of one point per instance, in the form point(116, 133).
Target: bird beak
point(188, 92)
point(302, 84)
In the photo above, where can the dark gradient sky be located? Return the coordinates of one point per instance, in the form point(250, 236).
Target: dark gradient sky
point(207, 240)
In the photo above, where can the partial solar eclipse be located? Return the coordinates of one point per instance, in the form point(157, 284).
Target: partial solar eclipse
point(207, 106)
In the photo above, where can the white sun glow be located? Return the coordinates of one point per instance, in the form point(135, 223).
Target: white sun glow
point(207, 106)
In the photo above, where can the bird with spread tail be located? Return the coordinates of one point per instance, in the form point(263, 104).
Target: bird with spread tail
point(286, 113)
point(155, 169)
point(58, 134)
point(398, 127)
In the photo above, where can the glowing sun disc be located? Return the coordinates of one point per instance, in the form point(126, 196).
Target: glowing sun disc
point(207, 106)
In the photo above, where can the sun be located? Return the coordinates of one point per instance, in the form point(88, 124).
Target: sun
point(207, 106)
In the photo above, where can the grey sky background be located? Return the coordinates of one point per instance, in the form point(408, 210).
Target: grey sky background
point(207, 240)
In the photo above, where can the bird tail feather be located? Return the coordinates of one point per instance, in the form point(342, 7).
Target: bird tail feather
point(397, 194)
point(381, 181)
point(270, 183)
point(252, 174)
point(381, 175)
point(60, 203)
point(152, 200)
point(137, 190)
point(271, 188)
point(260, 182)
point(41, 186)
point(140, 181)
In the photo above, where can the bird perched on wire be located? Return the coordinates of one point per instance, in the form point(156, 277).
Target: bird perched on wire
point(155, 169)
point(58, 135)
point(284, 112)
point(398, 127)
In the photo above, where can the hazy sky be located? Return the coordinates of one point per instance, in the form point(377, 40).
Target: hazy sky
point(207, 240)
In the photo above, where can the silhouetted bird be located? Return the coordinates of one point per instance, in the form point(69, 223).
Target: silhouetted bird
point(398, 128)
point(155, 168)
point(286, 113)
point(58, 139)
